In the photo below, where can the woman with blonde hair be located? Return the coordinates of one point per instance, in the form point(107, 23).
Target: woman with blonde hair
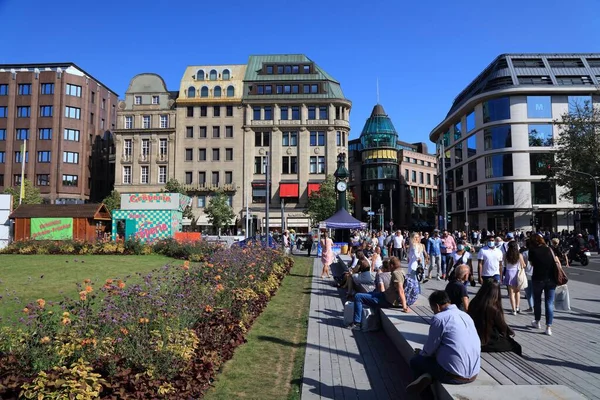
point(415, 259)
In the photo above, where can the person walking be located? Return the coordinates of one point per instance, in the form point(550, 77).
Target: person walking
point(435, 255)
point(415, 259)
point(514, 262)
point(448, 247)
point(489, 261)
point(543, 279)
point(309, 243)
point(327, 255)
point(398, 242)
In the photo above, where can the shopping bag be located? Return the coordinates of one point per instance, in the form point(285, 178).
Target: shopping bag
point(370, 319)
point(522, 279)
point(562, 300)
point(348, 312)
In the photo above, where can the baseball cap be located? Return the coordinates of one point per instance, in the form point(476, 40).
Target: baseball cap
point(510, 235)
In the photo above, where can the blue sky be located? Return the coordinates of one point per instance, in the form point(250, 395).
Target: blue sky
point(424, 53)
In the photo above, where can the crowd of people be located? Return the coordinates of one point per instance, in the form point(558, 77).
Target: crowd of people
point(389, 269)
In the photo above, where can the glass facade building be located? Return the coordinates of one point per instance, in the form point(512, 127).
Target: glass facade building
point(498, 141)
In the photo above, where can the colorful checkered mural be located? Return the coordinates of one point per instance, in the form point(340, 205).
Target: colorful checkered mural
point(147, 225)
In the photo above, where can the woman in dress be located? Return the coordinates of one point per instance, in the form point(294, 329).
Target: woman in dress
point(376, 260)
point(415, 258)
point(327, 255)
point(514, 261)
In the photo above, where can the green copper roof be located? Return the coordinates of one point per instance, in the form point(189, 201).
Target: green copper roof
point(378, 130)
point(333, 90)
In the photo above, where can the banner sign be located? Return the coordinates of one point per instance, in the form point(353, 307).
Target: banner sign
point(154, 201)
point(51, 228)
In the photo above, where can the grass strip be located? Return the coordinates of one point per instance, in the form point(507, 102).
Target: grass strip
point(270, 364)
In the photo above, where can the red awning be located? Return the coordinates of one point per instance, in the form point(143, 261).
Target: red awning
point(313, 187)
point(288, 190)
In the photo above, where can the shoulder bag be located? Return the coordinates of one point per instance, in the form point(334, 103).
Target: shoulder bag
point(559, 274)
point(521, 276)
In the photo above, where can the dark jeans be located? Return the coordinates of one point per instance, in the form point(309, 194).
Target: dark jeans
point(494, 277)
point(428, 365)
point(370, 299)
point(445, 267)
point(397, 252)
point(549, 288)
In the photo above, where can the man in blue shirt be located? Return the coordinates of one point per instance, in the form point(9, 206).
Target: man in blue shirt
point(452, 353)
point(435, 254)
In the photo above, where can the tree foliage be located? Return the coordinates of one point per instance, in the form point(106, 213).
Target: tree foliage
point(173, 186)
point(578, 149)
point(219, 213)
point(32, 194)
point(322, 203)
point(112, 201)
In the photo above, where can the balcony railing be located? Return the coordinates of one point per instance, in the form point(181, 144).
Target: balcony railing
point(290, 122)
point(318, 122)
point(210, 187)
point(126, 158)
point(144, 158)
point(257, 122)
point(342, 122)
point(162, 158)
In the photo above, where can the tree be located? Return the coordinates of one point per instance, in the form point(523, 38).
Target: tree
point(32, 194)
point(173, 186)
point(112, 201)
point(577, 149)
point(219, 213)
point(322, 203)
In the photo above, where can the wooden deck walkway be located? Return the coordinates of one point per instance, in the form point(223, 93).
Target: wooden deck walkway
point(570, 357)
point(345, 364)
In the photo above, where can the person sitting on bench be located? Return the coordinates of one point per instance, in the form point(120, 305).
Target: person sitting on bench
point(452, 353)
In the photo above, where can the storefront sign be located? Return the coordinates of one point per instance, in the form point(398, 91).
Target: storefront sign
point(51, 228)
point(154, 201)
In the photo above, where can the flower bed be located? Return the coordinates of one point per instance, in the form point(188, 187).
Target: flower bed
point(164, 338)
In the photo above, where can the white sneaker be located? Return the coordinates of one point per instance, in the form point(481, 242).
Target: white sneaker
point(514, 312)
point(548, 331)
point(535, 324)
point(438, 278)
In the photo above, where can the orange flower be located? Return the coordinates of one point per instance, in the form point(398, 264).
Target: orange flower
point(142, 294)
point(65, 321)
point(219, 270)
point(109, 281)
point(186, 265)
point(218, 278)
point(66, 314)
point(41, 303)
point(208, 309)
point(251, 277)
point(89, 289)
point(220, 288)
point(124, 331)
point(83, 295)
point(121, 284)
point(209, 265)
point(26, 310)
point(144, 320)
point(87, 281)
point(45, 340)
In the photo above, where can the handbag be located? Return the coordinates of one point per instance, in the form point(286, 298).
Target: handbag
point(522, 282)
point(559, 274)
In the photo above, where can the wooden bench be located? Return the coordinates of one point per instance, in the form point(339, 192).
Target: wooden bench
point(502, 375)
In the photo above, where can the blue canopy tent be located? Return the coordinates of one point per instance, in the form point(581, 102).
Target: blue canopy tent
point(342, 220)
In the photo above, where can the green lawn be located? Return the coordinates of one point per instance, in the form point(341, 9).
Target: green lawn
point(31, 277)
point(270, 365)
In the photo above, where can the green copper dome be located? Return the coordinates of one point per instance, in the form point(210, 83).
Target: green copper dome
point(378, 131)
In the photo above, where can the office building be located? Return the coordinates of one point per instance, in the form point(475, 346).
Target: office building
point(498, 137)
point(60, 110)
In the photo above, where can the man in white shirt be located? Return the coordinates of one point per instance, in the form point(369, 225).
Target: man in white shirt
point(490, 261)
point(398, 243)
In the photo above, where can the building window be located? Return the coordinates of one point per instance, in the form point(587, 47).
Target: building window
point(23, 112)
point(2, 157)
point(19, 157)
point(204, 91)
point(317, 165)
point(216, 154)
point(22, 134)
point(73, 112)
point(71, 135)
point(190, 111)
point(422, 177)
point(93, 97)
point(457, 131)
point(212, 75)
point(579, 105)
point(203, 111)
point(24, 89)
point(189, 132)
point(539, 106)
point(3, 89)
point(188, 177)
point(289, 165)
point(215, 178)
point(406, 175)
point(256, 114)
point(312, 112)
point(473, 198)
point(229, 131)
point(458, 153)
point(3, 112)
point(146, 121)
point(69, 180)
point(43, 156)
point(543, 193)
point(155, 99)
point(229, 154)
point(539, 163)
point(499, 194)
point(201, 201)
point(470, 121)
point(496, 110)
point(17, 179)
point(414, 176)
point(128, 122)
point(102, 123)
point(217, 91)
point(144, 170)
point(268, 89)
point(45, 134)
point(230, 91)
point(229, 111)
point(162, 148)
point(91, 118)
point(1, 179)
point(268, 110)
point(74, 90)
point(103, 104)
point(429, 179)
point(145, 149)
point(260, 164)
point(317, 138)
point(314, 89)
point(472, 170)
point(498, 165)
point(323, 114)
point(189, 155)
point(216, 132)
point(201, 154)
point(70, 157)
point(460, 201)
point(498, 137)
point(216, 111)
point(164, 121)
point(228, 178)
point(201, 178)
point(127, 175)
point(541, 135)
point(202, 132)
point(284, 113)
point(47, 88)
point(295, 113)
point(259, 195)
point(162, 174)
point(471, 146)
point(289, 139)
point(191, 92)
point(261, 139)
point(200, 75)
point(43, 179)
point(137, 100)
point(226, 75)
point(458, 175)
